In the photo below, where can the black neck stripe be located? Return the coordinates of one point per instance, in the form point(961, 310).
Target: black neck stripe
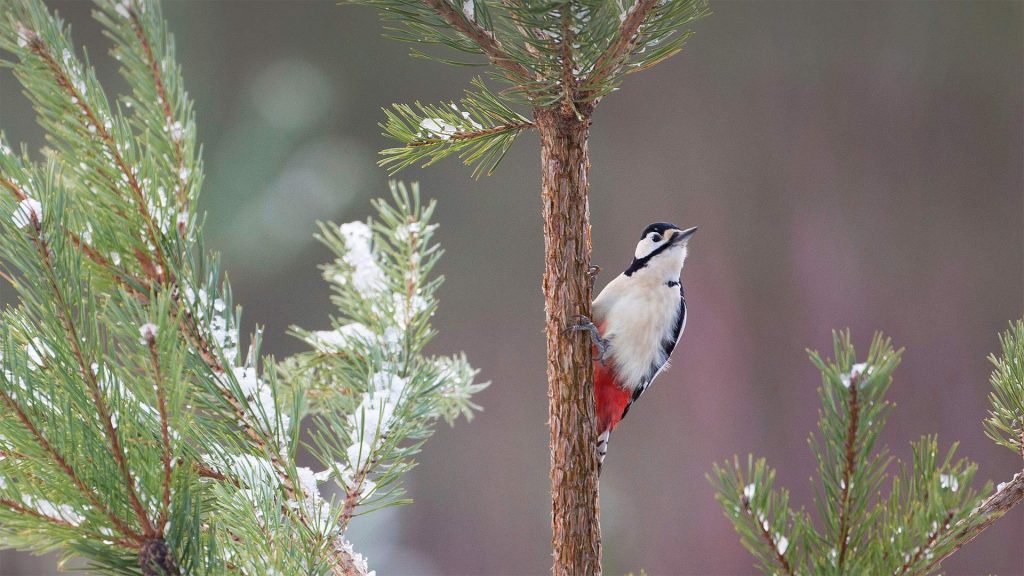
point(641, 263)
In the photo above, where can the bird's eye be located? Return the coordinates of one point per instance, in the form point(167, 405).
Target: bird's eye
point(656, 237)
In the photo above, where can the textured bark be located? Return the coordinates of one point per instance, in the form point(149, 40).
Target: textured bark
point(575, 522)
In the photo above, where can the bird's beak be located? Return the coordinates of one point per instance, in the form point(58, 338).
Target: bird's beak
point(683, 235)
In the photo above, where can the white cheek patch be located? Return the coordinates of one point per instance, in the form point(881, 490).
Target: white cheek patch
point(645, 247)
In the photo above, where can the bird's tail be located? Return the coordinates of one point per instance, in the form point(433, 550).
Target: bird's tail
point(602, 448)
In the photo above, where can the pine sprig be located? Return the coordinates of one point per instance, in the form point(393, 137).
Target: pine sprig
point(136, 431)
point(931, 509)
point(564, 54)
point(480, 130)
point(768, 528)
point(380, 397)
point(1005, 423)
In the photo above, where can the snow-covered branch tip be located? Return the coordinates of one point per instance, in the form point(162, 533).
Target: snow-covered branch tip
point(123, 369)
point(480, 130)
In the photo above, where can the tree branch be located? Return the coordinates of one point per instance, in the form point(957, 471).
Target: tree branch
point(66, 317)
point(482, 38)
point(926, 549)
point(767, 535)
point(154, 67)
point(608, 60)
point(62, 463)
point(40, 49)
point(459, 136)
point(1007, 495)
point(848, 469)
point(165, 438)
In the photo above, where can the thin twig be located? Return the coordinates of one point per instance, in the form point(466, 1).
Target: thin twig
point(523, 31)
point(164, 435)
point(19, 195)
point(1007, 496)
point(40, 49)
point(482, 38)
point(609, 59)
point(21, 509)
point(62, 463)
point(154, 68)
point(64, 312)
point(472, 134)
point(922, 550)
point(767, 535)
point(848, 469)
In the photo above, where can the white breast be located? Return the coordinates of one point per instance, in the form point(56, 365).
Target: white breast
point(637, 313)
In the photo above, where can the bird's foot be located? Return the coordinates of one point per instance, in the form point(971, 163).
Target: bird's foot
point(585, 324)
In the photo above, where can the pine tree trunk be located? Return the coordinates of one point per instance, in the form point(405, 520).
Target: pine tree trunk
point(575, 523)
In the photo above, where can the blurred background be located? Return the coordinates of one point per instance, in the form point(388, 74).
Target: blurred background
point(850, 164)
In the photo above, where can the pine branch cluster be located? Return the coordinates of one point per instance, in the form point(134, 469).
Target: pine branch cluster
point(930, 509)
point(564, 54)
point(137, 432)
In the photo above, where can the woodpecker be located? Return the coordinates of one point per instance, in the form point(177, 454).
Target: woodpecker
point(637, 321)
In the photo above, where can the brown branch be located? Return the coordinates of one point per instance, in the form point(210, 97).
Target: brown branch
point(204, 471)
point(65, 315)
point(66, 468)
point(39, 49)
point(523, 31)
point(1006, 497)
point(154, 68)
point(472, 134)
point(7, 277)
point(482, 38)
point(165, 437)
point(767, 535)
point(19, 195)
point(922, 550)
point(608, 61)
point(848, 469)
point(20, 509)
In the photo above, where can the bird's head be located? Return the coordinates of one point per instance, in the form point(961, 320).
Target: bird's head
point(662, 248)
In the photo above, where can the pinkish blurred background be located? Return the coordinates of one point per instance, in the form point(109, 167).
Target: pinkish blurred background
point(850, 164)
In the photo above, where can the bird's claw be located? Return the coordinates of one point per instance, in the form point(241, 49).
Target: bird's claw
point(585, 324)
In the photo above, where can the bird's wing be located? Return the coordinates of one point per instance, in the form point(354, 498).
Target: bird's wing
point(667, 346)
